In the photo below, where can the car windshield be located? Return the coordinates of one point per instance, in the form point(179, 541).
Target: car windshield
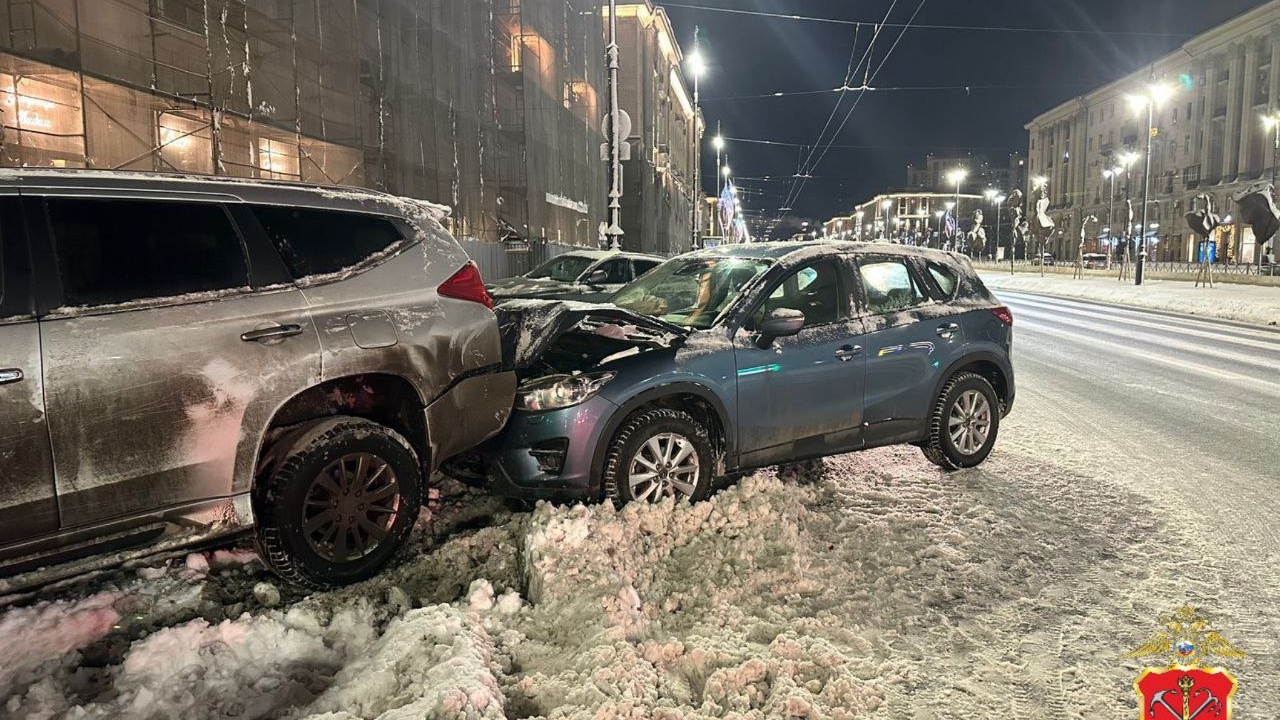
point(691, 291)
point(566, 268)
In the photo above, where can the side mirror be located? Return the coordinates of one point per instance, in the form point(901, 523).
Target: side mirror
point(599, 277)
point(780, 323)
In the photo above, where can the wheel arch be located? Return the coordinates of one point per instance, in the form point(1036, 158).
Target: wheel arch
point(699, 400)
point(385, 398)
point(986, 365)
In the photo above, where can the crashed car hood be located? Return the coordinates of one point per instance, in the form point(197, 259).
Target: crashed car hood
point(591, 332)
point(531, 287)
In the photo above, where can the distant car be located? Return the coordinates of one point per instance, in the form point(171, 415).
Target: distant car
point(583, 276)
point(184, 358)
point(1095, 261)
point(1046, 259)
point(747, 356)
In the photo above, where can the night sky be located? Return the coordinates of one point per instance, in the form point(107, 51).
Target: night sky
point(750, 55)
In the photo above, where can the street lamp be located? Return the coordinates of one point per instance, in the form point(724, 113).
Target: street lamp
point(999, 202)
point(939, 215)
point(1154, 96)
point(857, 226)
point(697, 68)
point(1110, 174)
point(885, 205)
point(718, 143)
point(956, 177)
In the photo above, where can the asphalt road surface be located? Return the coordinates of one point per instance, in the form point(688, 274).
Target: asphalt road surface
point(1161, 432)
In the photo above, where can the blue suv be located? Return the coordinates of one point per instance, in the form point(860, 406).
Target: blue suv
point(730, 359)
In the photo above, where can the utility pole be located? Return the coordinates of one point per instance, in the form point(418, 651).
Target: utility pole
point(1146, 194)
point(615, 142)
point(696, 207)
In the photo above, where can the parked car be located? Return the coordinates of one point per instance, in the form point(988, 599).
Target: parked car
point(746, 356)
point(182, 358)
point(1095, 261)
point(584, 276)
point(1046, 259)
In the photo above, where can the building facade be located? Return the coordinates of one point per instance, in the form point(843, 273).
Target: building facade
point(982, 173)
point(659, 197)
point(1209, 138)
point(491, 106)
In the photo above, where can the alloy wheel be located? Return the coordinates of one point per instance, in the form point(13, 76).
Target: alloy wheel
point(350, 507)
point(666, 465)
point(969, 423)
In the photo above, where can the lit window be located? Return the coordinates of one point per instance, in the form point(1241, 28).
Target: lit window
point(277, 160)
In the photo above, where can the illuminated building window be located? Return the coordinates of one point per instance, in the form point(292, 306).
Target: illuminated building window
point(185, 143)
point(42, 118)
point(277, 160)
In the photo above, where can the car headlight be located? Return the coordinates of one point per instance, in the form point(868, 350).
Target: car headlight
point(556, 392)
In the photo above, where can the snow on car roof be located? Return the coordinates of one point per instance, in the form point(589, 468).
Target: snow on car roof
point(243, 189)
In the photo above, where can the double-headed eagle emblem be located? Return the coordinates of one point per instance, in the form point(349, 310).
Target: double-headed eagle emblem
point(1186, 640)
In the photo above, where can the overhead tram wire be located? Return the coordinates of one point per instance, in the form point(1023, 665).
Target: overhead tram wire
point(902, 88)
point(977, 28)
point(845, 86)
point(867, 81)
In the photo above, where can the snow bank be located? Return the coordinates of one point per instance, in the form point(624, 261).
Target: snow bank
point(1243, 303)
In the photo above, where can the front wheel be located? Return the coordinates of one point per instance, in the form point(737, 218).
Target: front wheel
point(340, 503)
point(964, 424)
point(659, 453)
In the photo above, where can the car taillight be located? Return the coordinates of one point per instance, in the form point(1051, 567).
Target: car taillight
point(466, 284)
point(1004, 315)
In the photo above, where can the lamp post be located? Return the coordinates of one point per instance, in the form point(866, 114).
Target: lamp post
point(885, 205)
point(615, 139)
point(939, 214)
point(857, 227)
point(956, 177)
point(1272, 123)
point(1110, 174)
point(1155, 95)
point(697, 68)
point(990, 194)
point(718, 143)
point(950, 206)
point(999, 204)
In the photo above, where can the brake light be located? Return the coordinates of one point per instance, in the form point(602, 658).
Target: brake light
point(466, 284)
point(1004, 315)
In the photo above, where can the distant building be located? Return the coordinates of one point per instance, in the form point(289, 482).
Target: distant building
point(982, 172)
point(1210, 138)
point(909, 217)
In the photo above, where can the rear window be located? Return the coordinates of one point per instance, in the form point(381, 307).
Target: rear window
point(321, 242)
point(946, 279)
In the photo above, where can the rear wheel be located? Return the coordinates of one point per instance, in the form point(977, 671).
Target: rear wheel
point(964, 424)
point(659, 453)
point(339, 504)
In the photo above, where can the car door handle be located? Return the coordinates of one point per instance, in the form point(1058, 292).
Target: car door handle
point(278, 332)
point(948, 330)
point(848, 352)
point(10, 375)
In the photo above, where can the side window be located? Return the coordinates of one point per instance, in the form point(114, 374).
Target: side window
point(644, 266)
point(889, 286)
point(617, 271)
point(815, 290)
point(320, 242)
point(945, 279)
point(115, 251)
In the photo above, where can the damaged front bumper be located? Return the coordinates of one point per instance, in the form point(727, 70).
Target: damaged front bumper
point(541, 456)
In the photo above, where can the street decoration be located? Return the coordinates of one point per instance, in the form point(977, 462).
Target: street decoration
point(1183, 689)
point(1257, 209)
point(1203, 221)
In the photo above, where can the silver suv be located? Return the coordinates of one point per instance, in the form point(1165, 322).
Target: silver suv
point(181, 358)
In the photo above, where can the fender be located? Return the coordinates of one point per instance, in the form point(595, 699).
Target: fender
point(657, 393)
point(979, 356)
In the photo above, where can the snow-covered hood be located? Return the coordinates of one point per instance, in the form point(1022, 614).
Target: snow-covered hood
point(524, 287)
point(550, 332)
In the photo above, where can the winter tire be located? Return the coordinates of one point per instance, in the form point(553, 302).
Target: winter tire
point(339, 504)
point(659, 453)
point(964, 423)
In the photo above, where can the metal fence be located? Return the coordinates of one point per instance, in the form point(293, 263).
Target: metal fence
point(496, 262)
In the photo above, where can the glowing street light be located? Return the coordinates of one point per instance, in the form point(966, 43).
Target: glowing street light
point(1154, 96)
point(956, 177)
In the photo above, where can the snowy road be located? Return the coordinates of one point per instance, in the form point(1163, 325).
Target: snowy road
point(1135, 474)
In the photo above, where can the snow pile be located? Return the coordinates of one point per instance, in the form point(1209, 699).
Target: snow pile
point(675, 610)
point(38, 639)
point(1257, 304)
